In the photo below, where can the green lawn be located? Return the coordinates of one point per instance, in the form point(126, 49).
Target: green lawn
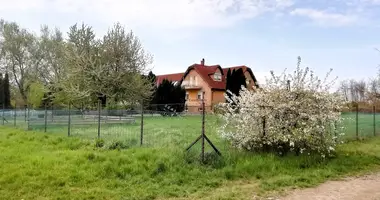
point(158, 131)
point(36, 165)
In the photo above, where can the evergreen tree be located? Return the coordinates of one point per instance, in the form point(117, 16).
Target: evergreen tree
point(152, 78)
point(239, 81)
point(229, 82)
point(2, 96)
point(7, 91)
point(169, 94)
point(235, 80)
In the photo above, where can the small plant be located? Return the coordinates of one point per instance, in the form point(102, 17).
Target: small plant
point(99, 143)
point(91, 156)
point(212, 159)
point(161, 168)
point(118, 145)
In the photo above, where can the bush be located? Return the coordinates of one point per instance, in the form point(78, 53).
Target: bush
point(99, 143)
point(297, 116)
point(118, 145)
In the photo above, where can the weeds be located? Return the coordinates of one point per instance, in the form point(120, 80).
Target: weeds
point(53, 167)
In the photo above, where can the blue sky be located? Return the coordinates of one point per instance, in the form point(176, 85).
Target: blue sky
point(264, 35)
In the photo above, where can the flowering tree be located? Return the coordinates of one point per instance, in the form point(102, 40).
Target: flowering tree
point(291, 112)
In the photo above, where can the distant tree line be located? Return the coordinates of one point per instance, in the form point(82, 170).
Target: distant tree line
point(80, 69)
point(363, 93)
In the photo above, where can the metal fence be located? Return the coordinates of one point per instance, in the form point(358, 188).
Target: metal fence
point(150, 125)
point(156, 125)
point(361, 121)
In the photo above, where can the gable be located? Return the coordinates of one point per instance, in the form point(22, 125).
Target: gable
point(205, 73)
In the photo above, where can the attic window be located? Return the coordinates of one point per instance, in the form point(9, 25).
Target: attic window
point(217, 76)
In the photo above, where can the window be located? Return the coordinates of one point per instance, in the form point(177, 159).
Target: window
point(187, 96)
point(217, 76)
point(200, 96)
point(200, 109)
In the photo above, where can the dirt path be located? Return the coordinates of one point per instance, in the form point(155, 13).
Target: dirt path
point(361, 188)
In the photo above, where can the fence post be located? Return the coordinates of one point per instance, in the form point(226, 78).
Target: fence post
point(203, 127)
point(14, 115)
point(264, 126)
point(52, 112)
point(28, 120)
point(3, 115)
point(357, 121)
point(99, 110)
point(45, 118)
point(374, 120)
point(69, 123)
point(107, 111)
point(25, 107)
point(336, 131)
point(142, 123)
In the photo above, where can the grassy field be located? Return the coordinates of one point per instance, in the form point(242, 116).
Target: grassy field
point(36, 165)
point(158, 131)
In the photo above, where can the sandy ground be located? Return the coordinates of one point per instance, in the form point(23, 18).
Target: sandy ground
point(355, 188)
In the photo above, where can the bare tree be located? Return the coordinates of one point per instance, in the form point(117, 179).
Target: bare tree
point(361, 89)
point(353, 90)
point(344, 88)
point(374, 89)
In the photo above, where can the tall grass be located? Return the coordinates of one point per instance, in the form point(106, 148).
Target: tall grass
point(36, 165)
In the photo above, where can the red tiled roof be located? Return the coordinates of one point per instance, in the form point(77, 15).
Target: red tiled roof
point(205, 72)
point(170, 77)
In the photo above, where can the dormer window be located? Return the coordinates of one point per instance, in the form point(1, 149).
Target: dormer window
point(217, 76)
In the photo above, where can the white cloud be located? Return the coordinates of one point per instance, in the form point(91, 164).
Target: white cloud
point(171, 14)
point(373, 2)
point(325, 18)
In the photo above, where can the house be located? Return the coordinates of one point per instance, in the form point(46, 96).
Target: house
point(207, 80)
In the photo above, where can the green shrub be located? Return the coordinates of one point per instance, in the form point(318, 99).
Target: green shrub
point(99, 143)
point(118, 145)
point(213, 159)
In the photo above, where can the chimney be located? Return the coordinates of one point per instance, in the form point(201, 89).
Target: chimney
point(203, 61)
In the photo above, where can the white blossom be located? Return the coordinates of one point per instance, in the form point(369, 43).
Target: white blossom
point(304, 115)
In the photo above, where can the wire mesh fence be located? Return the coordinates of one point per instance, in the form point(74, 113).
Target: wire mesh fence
point(16, 117)
point(159, 126)
point(361, 121)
